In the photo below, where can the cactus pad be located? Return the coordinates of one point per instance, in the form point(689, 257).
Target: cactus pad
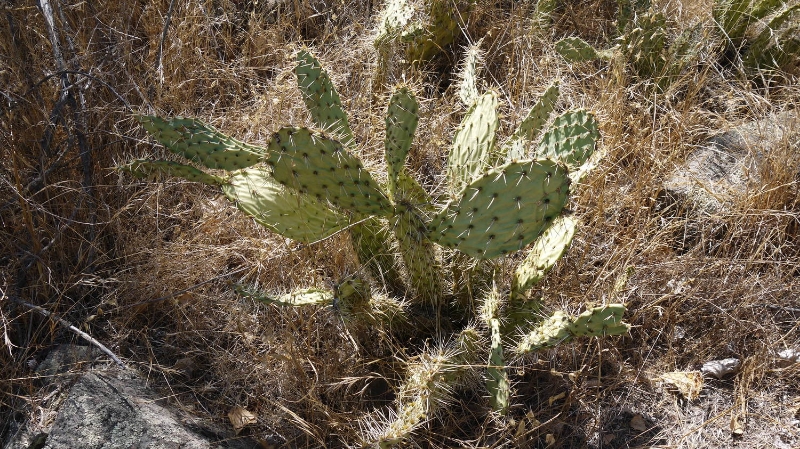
point(497, 378)
point(547, 250)
point(201, 143)
point(284, 211)
point(644, 45)
point(596, 322)
point(302, 297)
point(571, 139)
point(504, 210)
point(312, 163)
point(321, 98)
point(473, 142)
point(401, 124)
point(142, 168)
point(575, 49)
point(468, 90)
point(529, 129)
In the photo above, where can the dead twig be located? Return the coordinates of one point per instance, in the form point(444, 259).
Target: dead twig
point(68, 325)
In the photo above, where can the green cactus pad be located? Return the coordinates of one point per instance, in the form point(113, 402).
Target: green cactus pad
point(529, 129)
point(201, 143)
point(372, 241)
point(409, 191)
point(548, 334)
point(547, 250)
point(401, 124)
point(559, 328)
point(776, 46)
point(575, 49)
point(468, 90)
point(419, 254)
point(497, 378)
point(321, 98)
point(438, 31)
point(600, 321)
point(473, 142)
point(644, 45)
point(297, 298)
point(312, 163)
point(504, 210)
point(284, 211)
point(571, 139)
point(142, 168)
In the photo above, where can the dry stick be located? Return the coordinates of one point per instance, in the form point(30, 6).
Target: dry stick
point(159, 66)
point(68, 325)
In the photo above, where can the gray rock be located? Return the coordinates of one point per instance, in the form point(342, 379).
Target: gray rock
point(114, 409)
point(65, 358)
point(728, 166)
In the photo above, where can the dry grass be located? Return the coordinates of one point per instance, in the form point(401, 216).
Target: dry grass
point(109, 253)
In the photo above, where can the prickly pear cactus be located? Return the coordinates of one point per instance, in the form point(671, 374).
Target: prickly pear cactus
point(517, 146)
point(575, 49)
point(544, 254)
point(308, 184)
point(321, 98)
point(142, 168)
point(473, 142)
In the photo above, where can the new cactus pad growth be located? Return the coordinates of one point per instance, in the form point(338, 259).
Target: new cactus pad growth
point(559, 328)
point(142, 168)
point(473, 142)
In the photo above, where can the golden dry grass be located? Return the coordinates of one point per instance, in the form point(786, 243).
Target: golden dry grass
point(144, 267)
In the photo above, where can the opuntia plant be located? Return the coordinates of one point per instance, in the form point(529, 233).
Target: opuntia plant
point(307, 184)
point(759, 35)
point(642, 46)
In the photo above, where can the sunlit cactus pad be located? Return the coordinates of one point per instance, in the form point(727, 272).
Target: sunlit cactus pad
point(282, 210)
point(321, 98)
point(504, 210)
point(312, 163)
point(201, 143)
point(571, 138)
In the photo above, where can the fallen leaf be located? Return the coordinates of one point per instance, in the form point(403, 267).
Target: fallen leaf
point(241, 418)
point(688, 383)
point(550, 439)
point(638, 423)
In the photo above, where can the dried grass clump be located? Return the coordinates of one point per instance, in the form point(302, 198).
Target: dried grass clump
point(144, 267)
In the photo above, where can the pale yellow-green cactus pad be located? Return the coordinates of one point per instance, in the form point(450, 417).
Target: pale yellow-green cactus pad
point(282, 210)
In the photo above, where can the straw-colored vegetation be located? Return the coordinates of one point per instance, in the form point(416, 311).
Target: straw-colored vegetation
point(163, 271)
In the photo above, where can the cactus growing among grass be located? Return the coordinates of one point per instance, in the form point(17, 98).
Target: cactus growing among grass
point(760, 34)
point(308, 184)
point(642, 45)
